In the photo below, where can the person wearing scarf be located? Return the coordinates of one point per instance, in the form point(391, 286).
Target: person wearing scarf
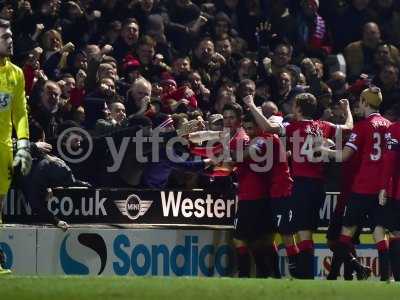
point(313, 36)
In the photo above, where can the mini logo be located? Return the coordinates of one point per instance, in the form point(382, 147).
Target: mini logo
point(133, 207)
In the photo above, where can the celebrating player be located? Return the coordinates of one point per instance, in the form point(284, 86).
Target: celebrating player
point(278, 183)
point(253, 226)
point(390, 192)
point(368, 141)
point(304, 135)
point(13, 113)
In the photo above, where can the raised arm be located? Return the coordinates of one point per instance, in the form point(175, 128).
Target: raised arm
point(345, 106)
point(262, 121)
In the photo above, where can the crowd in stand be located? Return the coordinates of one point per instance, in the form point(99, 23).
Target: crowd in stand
point(114, 67)
point(107, 77)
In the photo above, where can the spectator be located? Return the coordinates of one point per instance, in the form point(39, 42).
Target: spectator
point(181, 68)
point(48, 13)
point(339, 85)
point(176, 99)
point(282, 21)
point(32, 70)
point(78, 115)
point(84, 62)
point(184, 24)
point(76, 61)
point(230, 8)
point(285, 92)
point(202, 93)
point(45, 109)
point(359, 55)
point(67, 84)
point(156, 173)
point(388, 20)
point(131, 70)
point(348, 26)
point(156, 30)
point(223, 46)
point(246, 87)
point(115, 120)
point(250, 14)
point(269, 109)
point(313, 37)
point(105, 91)
point(48, 171)
point(384, 54)
point(215, 122)
point(207, 61)
point(223, 27)
point(247, 69)
point(6, 10)
point(74, 23)
point(151, 65)
point(141, 11)
point(388, 81)
point(127, 40)
point(55, 53)
point(223, 97)
point(280, 60)
point(138, 99)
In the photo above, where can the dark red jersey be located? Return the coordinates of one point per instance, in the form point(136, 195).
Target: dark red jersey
point(253, 170)
point(347, 175)
point(279, 180)
point(368, 139)
point(348, 171)
point(302, 136)
point(391, 174)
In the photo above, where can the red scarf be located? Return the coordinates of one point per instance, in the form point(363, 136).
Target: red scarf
point(318, 38)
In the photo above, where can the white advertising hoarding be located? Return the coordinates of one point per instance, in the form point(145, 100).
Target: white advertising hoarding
point(323, 257)
point(19, 247)
point(139, 252)
point(135, 252)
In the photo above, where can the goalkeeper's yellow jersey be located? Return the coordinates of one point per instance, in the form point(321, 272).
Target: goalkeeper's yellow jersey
point(13, 109)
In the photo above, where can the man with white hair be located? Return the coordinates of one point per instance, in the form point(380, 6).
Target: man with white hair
point(138, 98)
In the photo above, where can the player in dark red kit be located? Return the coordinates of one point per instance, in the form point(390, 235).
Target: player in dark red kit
point(389, 194)
point(303, 136)
point(348, 172)
point(368, 141)
point(279, 184)
point(252, 228)
point(253, 223)
point(336, 222)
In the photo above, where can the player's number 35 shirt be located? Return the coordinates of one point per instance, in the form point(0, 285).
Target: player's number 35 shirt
point(368, 138)
point(12, 104)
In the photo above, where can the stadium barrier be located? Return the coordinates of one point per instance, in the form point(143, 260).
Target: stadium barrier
point(134, 206)
point(93, 249)
point(138, 252)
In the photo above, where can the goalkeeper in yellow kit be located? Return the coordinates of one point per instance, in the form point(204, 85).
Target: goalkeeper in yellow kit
point(13, 113)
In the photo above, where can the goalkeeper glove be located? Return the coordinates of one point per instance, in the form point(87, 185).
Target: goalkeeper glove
point(23, 158)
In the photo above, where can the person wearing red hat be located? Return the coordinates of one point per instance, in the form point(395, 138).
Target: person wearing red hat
point(131, 69)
